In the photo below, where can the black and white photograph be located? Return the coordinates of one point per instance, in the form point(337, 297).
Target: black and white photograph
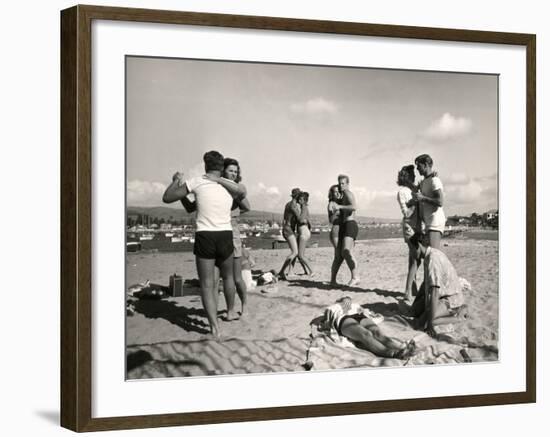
point(295, 218)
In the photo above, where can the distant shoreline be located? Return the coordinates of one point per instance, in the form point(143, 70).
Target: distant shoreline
point(317, 240)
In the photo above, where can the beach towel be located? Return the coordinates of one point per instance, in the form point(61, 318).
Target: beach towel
point(330, 350)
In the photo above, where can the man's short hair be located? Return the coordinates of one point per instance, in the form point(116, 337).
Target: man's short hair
point(213, 160)
point(343, 176)
point(424, 159)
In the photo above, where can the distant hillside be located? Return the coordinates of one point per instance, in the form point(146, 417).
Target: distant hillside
point(177, 214)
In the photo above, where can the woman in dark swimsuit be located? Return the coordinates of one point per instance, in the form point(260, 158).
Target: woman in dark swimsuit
point(334, 198)
point(304, 233)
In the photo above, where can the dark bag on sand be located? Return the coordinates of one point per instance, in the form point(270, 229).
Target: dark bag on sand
point(176, 285)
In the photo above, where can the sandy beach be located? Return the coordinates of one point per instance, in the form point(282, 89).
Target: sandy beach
point(168, 337)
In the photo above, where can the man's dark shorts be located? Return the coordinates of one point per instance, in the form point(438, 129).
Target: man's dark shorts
point(217, 245)
point(348, 229)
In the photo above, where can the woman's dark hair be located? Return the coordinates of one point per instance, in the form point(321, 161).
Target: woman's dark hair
point(230, 161)
point(303, 195)
point(405, 176)
point(213, 160)
point(331, 194)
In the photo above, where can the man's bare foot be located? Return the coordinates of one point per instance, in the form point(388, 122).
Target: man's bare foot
point(214, 333)
point(334, 284)
point(354, 282)
point(231, 315)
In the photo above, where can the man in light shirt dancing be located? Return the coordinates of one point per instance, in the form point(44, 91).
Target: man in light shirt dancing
point(214, 234)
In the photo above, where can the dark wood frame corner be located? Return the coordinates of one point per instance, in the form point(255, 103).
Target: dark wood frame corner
point(76, 218)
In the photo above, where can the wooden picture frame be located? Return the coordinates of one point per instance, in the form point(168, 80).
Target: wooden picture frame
point(76, 217)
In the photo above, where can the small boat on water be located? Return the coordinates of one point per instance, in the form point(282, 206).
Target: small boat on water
point(168, 234)
point(146, 237)
point(176, 239)
point(133, 246)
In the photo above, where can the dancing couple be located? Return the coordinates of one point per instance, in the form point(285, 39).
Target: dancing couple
point(341, 211)
point(220, 197)
point(421, 206)
point(296, 232)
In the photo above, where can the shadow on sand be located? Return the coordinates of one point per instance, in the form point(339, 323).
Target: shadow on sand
point(189, 319)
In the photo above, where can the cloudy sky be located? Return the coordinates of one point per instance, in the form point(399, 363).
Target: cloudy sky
point(300, 126)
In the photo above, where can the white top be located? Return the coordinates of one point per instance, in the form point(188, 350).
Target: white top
point(403, 196)
point(213, 204)
point(409, 222)
point(432, 216)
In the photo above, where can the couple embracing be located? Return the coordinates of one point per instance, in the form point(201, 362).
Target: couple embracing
point(297, 232)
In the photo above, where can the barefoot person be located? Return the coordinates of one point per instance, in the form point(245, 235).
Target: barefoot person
point(232, 172)
point(430, 199)
point(304, 232)
point(410, 224)
point(347, 234)
point(290, 220)
point(440, 299)
point(214, 235)
point(334, 198)
point(352, 321)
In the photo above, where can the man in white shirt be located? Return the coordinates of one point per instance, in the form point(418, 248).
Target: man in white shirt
point(214, 233)
point(430, 200)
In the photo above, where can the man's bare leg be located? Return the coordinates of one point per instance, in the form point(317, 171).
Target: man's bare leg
point(205, 269)
point(347, 253)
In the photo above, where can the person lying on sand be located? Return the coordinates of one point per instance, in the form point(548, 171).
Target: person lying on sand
point(440, 299)
point(359, 325)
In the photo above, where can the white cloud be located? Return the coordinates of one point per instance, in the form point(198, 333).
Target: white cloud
point(448, 127)
point(316, 106)
point(368, 199)
point(265, 198)
point(144, 193)
point(457, 179)
point(461, 189)
point(465, 193)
